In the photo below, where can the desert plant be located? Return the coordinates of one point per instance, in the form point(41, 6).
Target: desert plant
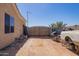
point(58, 26)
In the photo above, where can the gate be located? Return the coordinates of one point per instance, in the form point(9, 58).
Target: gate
point(39, 31)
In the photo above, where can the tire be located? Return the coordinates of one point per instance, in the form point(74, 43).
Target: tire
point(69, 44)
point(68, 39)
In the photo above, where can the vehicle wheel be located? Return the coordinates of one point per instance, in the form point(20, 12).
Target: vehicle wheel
point(69, 44)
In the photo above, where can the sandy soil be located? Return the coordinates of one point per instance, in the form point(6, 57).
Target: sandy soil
point(43, 47)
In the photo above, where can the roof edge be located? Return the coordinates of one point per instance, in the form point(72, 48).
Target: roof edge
point(18, 12)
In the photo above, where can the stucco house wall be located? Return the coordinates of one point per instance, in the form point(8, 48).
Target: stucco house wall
point(11, 9)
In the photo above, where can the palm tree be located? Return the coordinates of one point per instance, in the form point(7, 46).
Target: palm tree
point(58, 26)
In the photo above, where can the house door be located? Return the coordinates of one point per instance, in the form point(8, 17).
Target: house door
point(25, 32)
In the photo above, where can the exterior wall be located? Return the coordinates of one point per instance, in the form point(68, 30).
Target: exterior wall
point(40, 30)
point(6, 39)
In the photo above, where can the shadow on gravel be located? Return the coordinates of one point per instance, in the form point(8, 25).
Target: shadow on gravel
point(13, 48)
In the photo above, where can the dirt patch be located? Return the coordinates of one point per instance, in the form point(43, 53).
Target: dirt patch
point(36, 46)
point(43, 47)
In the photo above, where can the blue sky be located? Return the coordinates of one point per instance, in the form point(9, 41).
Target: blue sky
point(43, 14)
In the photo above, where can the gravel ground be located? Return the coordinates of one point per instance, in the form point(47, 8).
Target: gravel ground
point(43, 46)
point(13, 48)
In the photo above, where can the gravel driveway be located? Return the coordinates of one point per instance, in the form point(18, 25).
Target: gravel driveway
point(38, 46)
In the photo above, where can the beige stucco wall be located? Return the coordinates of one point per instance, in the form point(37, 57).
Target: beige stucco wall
point(40, 30)
point(6, 39)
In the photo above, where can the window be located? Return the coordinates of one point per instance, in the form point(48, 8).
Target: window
point(12, 24)
point(9, 23)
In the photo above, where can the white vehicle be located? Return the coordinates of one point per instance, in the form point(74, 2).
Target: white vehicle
point(70, 36)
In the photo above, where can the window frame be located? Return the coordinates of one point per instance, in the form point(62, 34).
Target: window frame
point(10, 18)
